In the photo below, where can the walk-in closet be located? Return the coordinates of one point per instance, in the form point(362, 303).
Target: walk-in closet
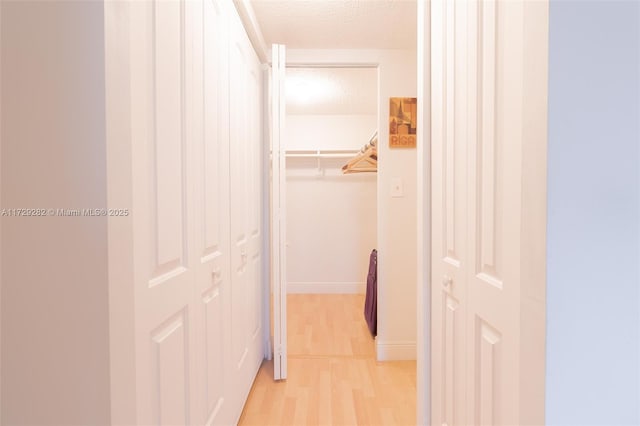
point(331, 213)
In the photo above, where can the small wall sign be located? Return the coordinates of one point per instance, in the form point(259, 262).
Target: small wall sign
point(402, 122)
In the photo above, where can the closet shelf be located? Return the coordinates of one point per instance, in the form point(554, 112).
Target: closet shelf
point(321, 154)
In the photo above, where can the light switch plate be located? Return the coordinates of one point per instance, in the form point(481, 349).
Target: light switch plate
point(397, 189)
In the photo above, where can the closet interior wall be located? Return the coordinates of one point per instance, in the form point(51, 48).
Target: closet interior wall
point(331, 217)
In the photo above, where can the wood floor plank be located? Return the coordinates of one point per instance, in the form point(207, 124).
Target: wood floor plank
point(333, 377)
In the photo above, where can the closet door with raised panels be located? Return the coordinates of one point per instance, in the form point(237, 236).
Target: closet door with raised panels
point(227, 104)
point(162, 206)
point(245, 86)
point(450, 260)
point(489, 150)
point(210, 127)
point(195, 176)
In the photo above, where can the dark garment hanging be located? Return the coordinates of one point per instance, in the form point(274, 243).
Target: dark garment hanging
point(371, 299)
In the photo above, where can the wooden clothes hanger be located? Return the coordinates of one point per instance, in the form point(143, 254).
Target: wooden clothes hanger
point(366, 161)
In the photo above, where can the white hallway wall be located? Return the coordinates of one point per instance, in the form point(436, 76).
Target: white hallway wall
point(331, 217)
point(397, 241)
point(55, 360)
point(593, 244)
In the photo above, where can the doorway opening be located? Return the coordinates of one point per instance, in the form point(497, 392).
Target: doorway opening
point(332, 116)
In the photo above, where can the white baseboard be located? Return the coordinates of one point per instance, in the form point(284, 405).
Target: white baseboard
point(326, 288)
point(395, 351)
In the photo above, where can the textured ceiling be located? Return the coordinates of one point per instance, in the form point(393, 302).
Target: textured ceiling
point(332, 90)
point(338, 24)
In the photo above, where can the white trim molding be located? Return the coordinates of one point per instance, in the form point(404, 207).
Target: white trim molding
point(251, 26)
point(423, 292)
point(395, 350)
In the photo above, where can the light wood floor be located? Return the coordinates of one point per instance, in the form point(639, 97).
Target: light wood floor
point(333, 377)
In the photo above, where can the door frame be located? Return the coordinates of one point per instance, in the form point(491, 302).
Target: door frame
point(274, 237)
point(423, 338)
point(423, 282)
point(278, 211)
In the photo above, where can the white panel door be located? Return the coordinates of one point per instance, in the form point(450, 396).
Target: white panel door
point(196, 92)
point(245, 95)
point(164, 273)
point(488, 314)
point(238, 86)
point(449, 195)
point(254, 208)
point(495, 126)
point(209, 94)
